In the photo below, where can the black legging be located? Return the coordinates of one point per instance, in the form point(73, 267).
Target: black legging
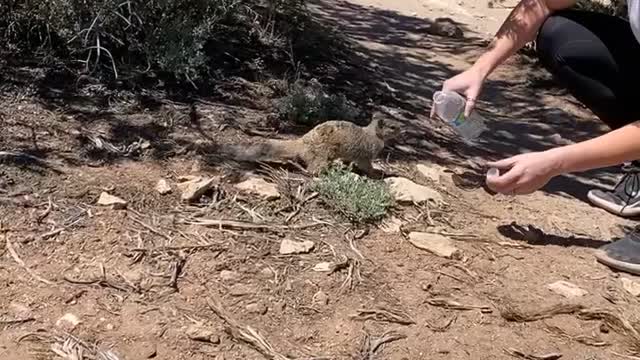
point(597, 58)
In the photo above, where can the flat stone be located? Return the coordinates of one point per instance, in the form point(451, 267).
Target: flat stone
point(68, 322)
point(193, 189)
point(320, 298)
point(288, 247)
point(631, 286)
point(259, 186)
point(147, 350)
point(240, 290)
point(436, 244)
point(228, 275)
point(566, 289)
point(257, 308)
point(324, 267)
point(406, 191)
point(200, 333)
point(162, 187)
point(391, 225)
point(115, 202)
point(431, 171)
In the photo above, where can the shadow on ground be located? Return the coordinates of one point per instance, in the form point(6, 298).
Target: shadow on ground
point(393, 61)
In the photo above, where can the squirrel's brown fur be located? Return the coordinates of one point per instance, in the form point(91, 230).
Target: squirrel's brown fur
point(325, 143)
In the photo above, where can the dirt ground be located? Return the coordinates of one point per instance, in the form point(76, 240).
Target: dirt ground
point(151, 281)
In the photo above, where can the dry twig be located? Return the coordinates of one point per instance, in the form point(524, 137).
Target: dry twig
point(583, 339)
point(384, 315)
point(249, 226)
point(522, 355)
point(455, 305)
point(371, 346)
point(510, 313)
point(15, 257)
point(245, 333)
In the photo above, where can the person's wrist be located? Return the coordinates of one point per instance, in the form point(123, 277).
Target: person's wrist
point(560, 160)
point(482, 68)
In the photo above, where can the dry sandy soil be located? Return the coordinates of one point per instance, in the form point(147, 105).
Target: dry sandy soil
point(151, 281)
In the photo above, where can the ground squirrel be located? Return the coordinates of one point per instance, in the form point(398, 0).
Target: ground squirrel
point(327, 142)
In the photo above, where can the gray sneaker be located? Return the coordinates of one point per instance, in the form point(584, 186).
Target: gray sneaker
point(624, 199)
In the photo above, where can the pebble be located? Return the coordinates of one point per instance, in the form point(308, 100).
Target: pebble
point(163, 187)
point(406, 191)
point(566, 289)
point(115, 202)
point(436, 244)
point(288, 247)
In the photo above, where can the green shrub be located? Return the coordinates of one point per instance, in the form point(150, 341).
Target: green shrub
point(358, 198)
point(188, 38)
point(310, 104)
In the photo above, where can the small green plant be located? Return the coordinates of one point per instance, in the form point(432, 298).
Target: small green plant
point(310, 104)
point(358, 198)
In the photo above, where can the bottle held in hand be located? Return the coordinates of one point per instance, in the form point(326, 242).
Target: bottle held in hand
point(449, 107)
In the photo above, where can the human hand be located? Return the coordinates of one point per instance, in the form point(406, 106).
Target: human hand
point(468, 83)
point(525, 173)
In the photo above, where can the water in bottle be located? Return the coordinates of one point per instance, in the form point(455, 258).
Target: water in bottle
point(449, 106)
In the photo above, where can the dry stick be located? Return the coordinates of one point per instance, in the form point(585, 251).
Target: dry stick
point(522, 355)
point(150, 228)
point(510, 313)
point(371, 347)
point(384, 315)
point(176, 248)
point(15, 257)
point(17, 321)
point(246, 333)
point(583, 339)
point(250, 226)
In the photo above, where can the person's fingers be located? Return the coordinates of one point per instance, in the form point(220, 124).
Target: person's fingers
point(506, 183)
point(469, 105)
point(503, 164)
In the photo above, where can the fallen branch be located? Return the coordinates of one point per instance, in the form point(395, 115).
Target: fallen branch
point(245, 333)
point(15, 257)
point(522, 355)
point(213, 247)
point(384, 315)
point(249, 226)
point(371, 346)
point(510, 313)
point(455, 305)
point(17, 321)
point(583, 339)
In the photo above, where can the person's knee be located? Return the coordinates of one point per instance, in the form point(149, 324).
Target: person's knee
point(551, 40)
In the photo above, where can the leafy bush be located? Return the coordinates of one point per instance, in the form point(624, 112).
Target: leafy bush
point(609, 7)
point(311, 104)
point(358, 198)
point(190, 38)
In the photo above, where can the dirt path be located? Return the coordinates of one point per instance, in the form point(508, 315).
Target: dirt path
point(145, 282)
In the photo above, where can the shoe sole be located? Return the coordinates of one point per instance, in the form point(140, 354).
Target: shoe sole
point(605, 259)
point(613, 208)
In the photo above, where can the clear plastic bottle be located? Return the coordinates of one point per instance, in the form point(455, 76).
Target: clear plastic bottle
point(449, 106)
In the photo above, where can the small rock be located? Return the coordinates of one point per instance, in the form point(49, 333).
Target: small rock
point(219, 357)
point(288, 247)
point(566, 289)
point(431, 172)
point(193, 189)
point(240, 290)
point(320, 298)
point(260, 187)
point(632, 287)
point(199, 333)
point(444, 27)
point(324, 267)
point(435, 243)
point(110, 326)
point(115, 202)
point(163, 187)
point(147, 350)
point(266, 273)
point(20, 310)
point(68, 322)
point(391, 225)
point(228, 275)
point(257, 308)
point(406, 191)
